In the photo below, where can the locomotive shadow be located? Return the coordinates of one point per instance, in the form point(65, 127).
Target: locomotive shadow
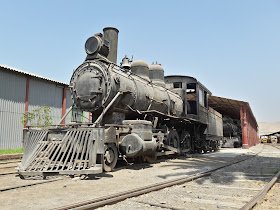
point(243, 172)
point(97, 176)
point(246, 173)
point(120, 166)
point(133, 166)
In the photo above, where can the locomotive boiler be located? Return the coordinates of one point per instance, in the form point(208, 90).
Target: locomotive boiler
point(137, 114)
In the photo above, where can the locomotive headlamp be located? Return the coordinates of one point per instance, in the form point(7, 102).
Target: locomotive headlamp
point(93, 45)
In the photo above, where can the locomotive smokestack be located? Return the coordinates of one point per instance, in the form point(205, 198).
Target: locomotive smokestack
point(111, 35)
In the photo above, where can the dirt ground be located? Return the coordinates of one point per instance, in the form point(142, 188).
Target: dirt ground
point(228, 188)
point(68, 191)
point(271, 200)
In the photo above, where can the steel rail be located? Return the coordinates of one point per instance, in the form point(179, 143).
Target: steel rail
point(261, 194)
point(8, 162)
point(26, 185)
point(8, 167)
point(105, 200)
point(8, 173)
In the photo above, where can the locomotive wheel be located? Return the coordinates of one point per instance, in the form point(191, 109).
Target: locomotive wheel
point(216, 145)
point(110, 157)
point(199, 151)
point(151, 158)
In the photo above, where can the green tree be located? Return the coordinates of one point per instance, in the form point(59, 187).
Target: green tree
point(38, 117)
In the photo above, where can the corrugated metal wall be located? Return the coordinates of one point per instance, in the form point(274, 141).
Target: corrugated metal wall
point(43, 93)
point(69, 102)
point(12, 105)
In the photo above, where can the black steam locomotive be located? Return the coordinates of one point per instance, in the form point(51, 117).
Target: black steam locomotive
point(137, 113)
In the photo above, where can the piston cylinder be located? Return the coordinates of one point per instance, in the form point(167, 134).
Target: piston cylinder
point(140, 141)
point(133, 146)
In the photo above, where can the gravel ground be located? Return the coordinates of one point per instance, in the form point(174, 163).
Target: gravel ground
point(191, 195)
point(229, 188)
point(271, 200)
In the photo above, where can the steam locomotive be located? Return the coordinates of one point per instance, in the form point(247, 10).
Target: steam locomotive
point(137, 114)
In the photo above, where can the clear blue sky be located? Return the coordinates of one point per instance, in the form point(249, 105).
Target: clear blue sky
point(232, 47)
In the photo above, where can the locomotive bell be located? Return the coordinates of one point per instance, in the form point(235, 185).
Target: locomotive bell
point(125, 63)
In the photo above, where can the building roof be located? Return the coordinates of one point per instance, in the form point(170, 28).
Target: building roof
point(230, 107)
point(30, 74)
point(270, 134)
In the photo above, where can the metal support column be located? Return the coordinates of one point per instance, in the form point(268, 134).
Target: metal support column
point(26, 97)
point(244, 125)
point(63, 105)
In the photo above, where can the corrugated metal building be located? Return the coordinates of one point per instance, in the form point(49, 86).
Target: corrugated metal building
point(21, 91)
point(238, 110)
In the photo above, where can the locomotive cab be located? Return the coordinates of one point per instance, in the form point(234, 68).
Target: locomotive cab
point(194, 95)
point(206, 122)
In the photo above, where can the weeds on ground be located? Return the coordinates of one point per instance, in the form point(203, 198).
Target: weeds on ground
point(275, 172)
point(11, 151)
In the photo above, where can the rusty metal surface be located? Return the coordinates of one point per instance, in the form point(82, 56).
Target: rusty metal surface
point(215, 127)
point(156, 74)
point(141, 69)
point(63, 151)
point(175, 107)
point(141, 94)
point(111, 35)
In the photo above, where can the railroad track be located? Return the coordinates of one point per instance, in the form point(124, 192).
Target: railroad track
point(7, 167)
point(194, 188)
point(8, 173)
point(197, 190)
point(3, 170)
point(106, 200)
point(32, 183)
point(2, 189)
point(277, 146)
point(8, 162)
